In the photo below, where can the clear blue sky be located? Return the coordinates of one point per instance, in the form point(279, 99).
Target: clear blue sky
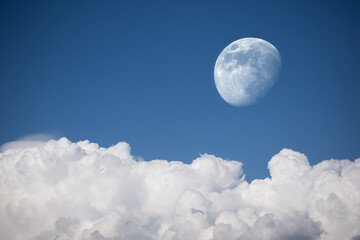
point(142, 72)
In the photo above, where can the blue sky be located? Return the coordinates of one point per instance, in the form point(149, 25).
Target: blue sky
point(142, 72)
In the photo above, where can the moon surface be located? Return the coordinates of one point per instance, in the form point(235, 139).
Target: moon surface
point(246, 70)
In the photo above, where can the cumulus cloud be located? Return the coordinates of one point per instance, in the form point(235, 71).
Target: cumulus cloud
point(27, 141)
point(63, 190)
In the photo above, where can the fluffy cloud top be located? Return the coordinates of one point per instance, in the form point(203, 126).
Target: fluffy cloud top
point(63, 190)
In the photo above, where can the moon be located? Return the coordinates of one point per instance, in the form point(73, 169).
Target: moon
point(246, 70)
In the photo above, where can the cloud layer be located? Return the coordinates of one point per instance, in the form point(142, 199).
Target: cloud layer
point(63, 190)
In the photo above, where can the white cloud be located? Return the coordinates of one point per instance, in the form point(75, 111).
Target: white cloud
point(27, 141)
point(63, 190)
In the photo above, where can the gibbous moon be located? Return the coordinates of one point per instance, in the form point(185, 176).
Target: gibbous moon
point(246, 70)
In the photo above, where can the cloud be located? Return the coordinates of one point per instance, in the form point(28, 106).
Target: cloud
point(64, 190)
point(27, 141)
